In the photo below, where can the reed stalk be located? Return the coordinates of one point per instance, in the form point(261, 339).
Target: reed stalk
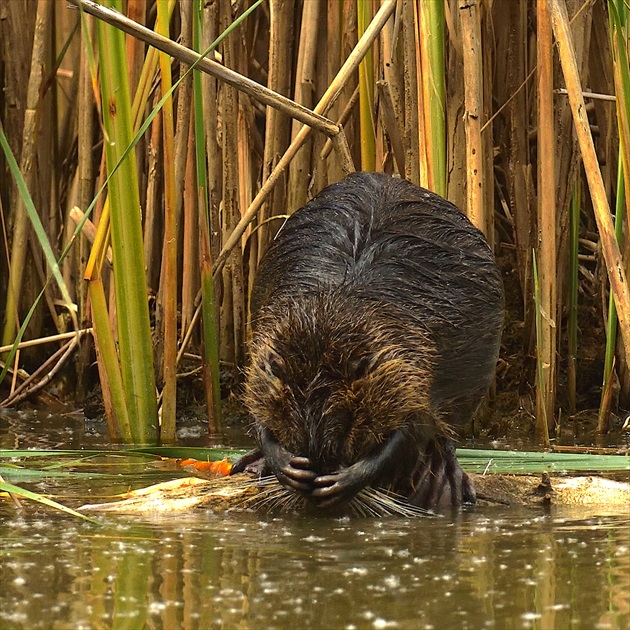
point(232, 312)
point(21, 227)
point(603, 421)
point(366, 93)
point(434, 92)
point(572, 324)
point(391, 95)
point(205, 196)
point(542, 422)
point(167, 298)
point(470, 18)
point(85, 192)
point(610, 249)
point(301, 169)
point(619, 15)
point(413, 151)
point(277, 125)
point(119, 422)
point(545, 398)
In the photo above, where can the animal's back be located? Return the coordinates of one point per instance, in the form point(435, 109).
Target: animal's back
point(385, 241)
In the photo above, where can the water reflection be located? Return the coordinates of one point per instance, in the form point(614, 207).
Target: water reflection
point(487, 568)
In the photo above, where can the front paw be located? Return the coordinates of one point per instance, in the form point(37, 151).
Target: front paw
point(439, 481)
point(338, 487)
point(291, 471)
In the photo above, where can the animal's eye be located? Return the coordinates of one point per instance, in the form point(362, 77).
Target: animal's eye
point(361, 366)
point(274, 364)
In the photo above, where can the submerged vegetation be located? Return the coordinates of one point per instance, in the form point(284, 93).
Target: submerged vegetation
point(140, 188)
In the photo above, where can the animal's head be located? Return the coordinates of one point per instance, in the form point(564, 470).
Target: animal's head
point(332, 379)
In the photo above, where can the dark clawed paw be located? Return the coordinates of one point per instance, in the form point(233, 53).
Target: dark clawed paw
point(252, 462)
point(334, 488)
point(299, 479)
point(440, 482)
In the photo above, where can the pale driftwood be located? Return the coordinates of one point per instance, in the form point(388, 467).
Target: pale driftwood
point(181, 495)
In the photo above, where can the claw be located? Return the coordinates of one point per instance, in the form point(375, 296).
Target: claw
point(439, 481)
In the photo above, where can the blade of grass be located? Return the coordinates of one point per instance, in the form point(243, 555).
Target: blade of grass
point(33, 496)
point(210, 332)
point(603, 420)
point(517, 462)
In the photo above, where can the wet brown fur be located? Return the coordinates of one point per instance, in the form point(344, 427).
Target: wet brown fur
point(358, 378)
point(376, 311)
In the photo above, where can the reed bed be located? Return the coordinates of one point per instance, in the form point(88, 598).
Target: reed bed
point(138, 194)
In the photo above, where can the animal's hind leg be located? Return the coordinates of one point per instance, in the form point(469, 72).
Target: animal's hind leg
point(438, 480)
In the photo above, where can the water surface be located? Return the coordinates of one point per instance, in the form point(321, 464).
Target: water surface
point(499, 568)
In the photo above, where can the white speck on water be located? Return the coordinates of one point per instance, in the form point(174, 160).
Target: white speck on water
point(392, 581)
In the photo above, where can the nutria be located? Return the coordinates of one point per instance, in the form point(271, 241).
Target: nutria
point(376, 316)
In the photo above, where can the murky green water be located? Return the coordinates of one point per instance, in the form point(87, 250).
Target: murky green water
point(502, 568)
point(498, 568)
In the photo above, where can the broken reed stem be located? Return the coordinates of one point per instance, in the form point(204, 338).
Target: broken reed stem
point(343, 118)
point(50, 339)
point(601, 208)
point(545, 397)
point(187, 56)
